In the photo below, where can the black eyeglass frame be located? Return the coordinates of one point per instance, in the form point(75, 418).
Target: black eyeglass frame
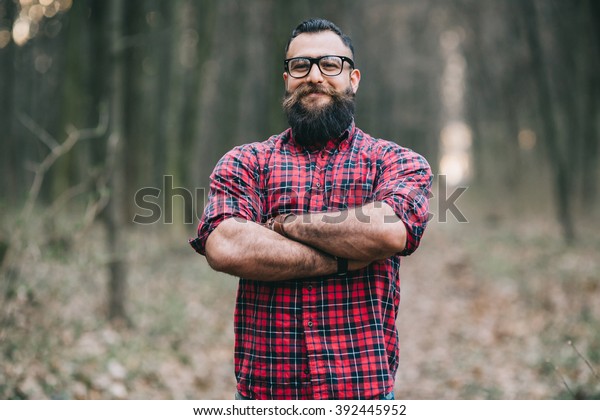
point(316, 61)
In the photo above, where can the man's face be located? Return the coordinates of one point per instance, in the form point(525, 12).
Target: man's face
point(317, 45)
point(319, 107)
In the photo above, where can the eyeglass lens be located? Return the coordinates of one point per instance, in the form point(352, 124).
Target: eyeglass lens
point(329, 66)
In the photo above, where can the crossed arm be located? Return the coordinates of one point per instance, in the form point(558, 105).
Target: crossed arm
point(361, 235)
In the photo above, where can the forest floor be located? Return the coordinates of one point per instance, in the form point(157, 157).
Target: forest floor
point(491, 309)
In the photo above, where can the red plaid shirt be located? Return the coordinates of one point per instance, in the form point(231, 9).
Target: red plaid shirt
point(330, 337)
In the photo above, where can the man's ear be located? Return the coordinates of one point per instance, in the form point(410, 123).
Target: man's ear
point(355, 79)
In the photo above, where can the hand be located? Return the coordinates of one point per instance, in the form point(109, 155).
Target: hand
point(276, 223)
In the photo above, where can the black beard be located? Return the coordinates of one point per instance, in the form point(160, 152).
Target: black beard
point(316, 126)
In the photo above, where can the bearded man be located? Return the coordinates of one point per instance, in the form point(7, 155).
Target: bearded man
point(314, 222)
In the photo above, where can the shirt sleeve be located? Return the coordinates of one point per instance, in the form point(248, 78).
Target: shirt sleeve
point(405, 185)
point(234, 192)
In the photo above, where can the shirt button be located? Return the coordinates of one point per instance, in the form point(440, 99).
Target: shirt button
point(318, 185)
point(309, 288)
point(310, 324)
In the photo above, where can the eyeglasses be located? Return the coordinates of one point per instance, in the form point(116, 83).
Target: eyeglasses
point(329, 65)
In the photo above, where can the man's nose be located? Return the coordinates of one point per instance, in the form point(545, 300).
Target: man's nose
point(314, 75)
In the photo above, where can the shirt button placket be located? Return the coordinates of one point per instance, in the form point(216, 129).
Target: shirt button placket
point(309, 315)
point(319, 180)
point(309, 305)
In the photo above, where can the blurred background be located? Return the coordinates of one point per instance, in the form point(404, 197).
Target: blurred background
point(113, 114)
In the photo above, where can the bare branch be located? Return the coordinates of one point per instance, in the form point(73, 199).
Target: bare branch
point(40, 133)
point(587, 362)
point(74, 136)
point(562, 378)
point(92, 212)
point(57, 150)
point(65, 197)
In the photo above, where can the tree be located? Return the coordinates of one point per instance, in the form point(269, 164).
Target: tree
point(563, 192)
point(115, 214)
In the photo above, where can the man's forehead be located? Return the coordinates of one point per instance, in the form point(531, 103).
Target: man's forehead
point(317, 44)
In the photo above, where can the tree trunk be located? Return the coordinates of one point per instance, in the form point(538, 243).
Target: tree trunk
point(589, 171)
point(562, 181)
point(115, 223)
point(9, 184)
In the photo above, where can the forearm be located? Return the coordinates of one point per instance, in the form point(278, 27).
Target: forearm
point(371, 232)
point(249, 250)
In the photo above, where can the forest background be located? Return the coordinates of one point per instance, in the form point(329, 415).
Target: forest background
point(113, 114)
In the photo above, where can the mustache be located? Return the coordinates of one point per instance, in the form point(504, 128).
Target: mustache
point(306, 89)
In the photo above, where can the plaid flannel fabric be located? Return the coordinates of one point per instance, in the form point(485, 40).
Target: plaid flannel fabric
point(330, 337)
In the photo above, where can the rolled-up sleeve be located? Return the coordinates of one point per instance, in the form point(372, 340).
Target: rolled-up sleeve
point(405, 184)
point(234, 192)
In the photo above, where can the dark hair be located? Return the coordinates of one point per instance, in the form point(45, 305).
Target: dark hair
point(315, 25)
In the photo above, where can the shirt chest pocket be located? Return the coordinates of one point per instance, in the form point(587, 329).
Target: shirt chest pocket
point(351, 191)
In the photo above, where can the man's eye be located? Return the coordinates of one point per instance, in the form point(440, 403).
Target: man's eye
point(330, 66)
point(299, 66)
